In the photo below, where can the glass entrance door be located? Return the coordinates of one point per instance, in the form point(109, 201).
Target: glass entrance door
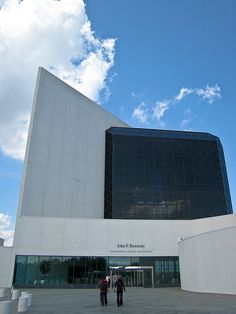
point(135, 276)
point(148, 278)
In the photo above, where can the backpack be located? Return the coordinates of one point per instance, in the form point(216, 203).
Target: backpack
point(103, 286)
point(119, 285)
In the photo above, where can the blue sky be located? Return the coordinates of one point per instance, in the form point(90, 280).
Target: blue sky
point(160, 64)
point(163, 46)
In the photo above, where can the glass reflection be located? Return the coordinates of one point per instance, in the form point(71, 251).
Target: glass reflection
point(157, 174)
point(31, 277)
point(20, 270)
point(84, 272)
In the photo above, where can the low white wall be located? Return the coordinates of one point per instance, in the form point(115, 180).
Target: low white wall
point(208, 262)
point(6, 267)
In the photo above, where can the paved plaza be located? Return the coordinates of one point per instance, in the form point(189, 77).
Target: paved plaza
point(136, 300)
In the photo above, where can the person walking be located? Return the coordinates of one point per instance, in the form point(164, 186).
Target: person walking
point(120, 287)
point(103, 286)
point(108, 280)
point(114, 280)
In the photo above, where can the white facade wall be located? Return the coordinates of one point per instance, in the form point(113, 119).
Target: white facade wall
point(6, 266)
point(65, 156)
point(98, 237)
point(207, 260)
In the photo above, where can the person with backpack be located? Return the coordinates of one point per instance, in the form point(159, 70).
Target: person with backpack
point(114, 280)
point(120, 287)
point(103, 286)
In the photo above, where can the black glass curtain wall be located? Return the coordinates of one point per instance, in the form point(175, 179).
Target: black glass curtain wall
point(157, 174)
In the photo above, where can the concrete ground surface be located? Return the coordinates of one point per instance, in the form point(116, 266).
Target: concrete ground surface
point(136, 300)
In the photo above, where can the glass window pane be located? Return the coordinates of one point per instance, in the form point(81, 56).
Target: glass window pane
point(20, 269)
point(56, 275)
point(32, 270)
point(67, 270)
point(44, 270)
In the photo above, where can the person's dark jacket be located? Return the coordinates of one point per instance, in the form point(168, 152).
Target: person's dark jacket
point(119, 285)
point(103, 285)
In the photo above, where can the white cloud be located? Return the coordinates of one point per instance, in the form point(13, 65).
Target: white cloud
point(14, 136)
point(160, 108)
point(56, 35)
point(5, 221)
point(210, 93)
point(183, 93)
point(141, 113)
point(6, 229)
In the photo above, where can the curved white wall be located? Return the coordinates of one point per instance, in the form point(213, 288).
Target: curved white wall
point(208, 261)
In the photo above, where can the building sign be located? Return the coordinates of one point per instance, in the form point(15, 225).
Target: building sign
point(131, 248)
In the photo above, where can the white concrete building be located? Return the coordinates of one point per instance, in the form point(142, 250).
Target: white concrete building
point(64, 236)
